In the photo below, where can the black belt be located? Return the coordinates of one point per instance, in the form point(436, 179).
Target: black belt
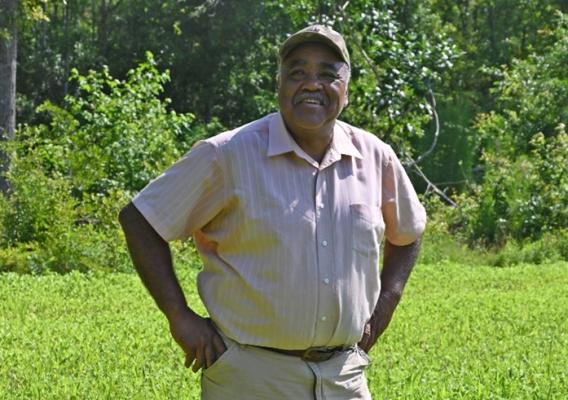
point(313, 354)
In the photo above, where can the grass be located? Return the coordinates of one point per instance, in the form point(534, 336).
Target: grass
point(477, 333)
point(461, 332)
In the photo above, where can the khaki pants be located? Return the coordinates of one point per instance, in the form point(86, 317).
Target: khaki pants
point(250, 373)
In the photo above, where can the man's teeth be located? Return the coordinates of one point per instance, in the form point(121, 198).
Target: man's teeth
point(310, 98)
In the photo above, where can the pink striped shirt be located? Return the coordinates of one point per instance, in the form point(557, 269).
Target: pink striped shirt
point(290, 246)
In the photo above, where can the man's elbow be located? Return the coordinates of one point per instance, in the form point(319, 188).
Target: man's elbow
point(127, 216)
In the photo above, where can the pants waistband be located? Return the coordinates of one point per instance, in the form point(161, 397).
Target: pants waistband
point(313, 354)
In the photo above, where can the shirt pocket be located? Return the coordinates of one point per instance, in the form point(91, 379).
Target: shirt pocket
point(367, 228)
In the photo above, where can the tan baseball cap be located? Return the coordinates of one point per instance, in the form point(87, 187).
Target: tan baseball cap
point(316, 33)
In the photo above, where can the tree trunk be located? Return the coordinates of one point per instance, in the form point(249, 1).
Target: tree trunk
point(8, 55)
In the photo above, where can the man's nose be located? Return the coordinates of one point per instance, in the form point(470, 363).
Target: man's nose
point(313, 82)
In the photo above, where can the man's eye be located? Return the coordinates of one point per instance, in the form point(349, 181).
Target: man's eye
point(298, 73)
point(329, 76)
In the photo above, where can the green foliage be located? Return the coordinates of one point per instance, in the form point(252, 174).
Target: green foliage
point(440, 246)
point(490, 36)
point(227, 70)
point(44, 227)
point(69, 178)
point(531, 97)
point(525, 153)
point(115, 134)
point(454, 160)
point(220, 70)
point(460, 333)
point(522, 198)
point(448, 239)
point(550, 248)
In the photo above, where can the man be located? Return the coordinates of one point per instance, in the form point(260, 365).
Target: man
point(287, 213)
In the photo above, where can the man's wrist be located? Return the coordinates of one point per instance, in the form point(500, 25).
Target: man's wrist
point(178, 311)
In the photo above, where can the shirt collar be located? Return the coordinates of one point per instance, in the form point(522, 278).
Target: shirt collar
point(342, 142)
point(280, 141)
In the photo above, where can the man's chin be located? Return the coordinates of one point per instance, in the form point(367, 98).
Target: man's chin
point(310, 121)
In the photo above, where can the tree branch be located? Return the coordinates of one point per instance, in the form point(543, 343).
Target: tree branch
point(436, 131)
point(432, 186)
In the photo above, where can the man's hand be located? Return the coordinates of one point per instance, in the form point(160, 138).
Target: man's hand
point(198, 338)
point(379, 320)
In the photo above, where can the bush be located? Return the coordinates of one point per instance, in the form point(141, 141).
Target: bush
point(550, 248)
point(522, 193)
point(70, 178)
point(44, 227)
point(520, 199)
point(446, 242)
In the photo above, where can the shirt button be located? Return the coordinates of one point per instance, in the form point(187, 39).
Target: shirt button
point(324, 318)
point(324, 243)
point(326, 281)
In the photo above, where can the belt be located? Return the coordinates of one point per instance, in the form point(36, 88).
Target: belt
point(313, 354)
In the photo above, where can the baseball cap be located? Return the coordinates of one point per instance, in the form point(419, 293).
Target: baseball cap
point(316, 33)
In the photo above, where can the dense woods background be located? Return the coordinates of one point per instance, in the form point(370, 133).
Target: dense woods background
point(99, 96)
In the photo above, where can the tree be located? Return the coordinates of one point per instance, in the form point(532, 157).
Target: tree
point(12, 14)
point(8, 54)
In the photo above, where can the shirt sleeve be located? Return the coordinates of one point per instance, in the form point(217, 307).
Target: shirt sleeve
point(405, 217)
point(186, 196)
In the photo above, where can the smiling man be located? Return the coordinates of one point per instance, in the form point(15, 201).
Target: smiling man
point(288, 214)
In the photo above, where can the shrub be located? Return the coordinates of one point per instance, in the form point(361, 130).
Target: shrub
point(522, 194)
point(552, 247)
point(70, 178)
point(523, 198)
point(444, 241)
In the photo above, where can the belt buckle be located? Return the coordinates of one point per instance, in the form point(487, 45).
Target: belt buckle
point(317, 354)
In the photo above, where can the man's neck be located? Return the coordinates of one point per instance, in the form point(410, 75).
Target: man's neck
point(314, 143)
point(315, 148)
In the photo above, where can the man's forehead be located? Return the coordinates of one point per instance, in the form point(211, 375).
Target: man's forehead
point(335, 65)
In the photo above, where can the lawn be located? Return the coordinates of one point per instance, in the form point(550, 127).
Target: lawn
point(460, 333)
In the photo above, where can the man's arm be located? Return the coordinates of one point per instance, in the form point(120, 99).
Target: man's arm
point(153, 261)
point(397, 266)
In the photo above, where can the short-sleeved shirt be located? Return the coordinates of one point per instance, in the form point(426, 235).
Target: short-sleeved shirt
point(290, 246)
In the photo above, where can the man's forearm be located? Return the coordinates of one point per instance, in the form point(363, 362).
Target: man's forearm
point(153, 261)
point(398, 262)
point(152, 258)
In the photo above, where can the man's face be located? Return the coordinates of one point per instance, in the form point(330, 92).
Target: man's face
point(312, 89)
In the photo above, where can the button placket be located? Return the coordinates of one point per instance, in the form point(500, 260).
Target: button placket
point(325, 256)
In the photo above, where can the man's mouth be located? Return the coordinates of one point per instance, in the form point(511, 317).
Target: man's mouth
point(310, 98)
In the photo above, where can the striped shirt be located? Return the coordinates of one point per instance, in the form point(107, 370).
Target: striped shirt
point(290, 246)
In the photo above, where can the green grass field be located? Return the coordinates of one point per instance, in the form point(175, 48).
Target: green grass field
point(460, 333)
